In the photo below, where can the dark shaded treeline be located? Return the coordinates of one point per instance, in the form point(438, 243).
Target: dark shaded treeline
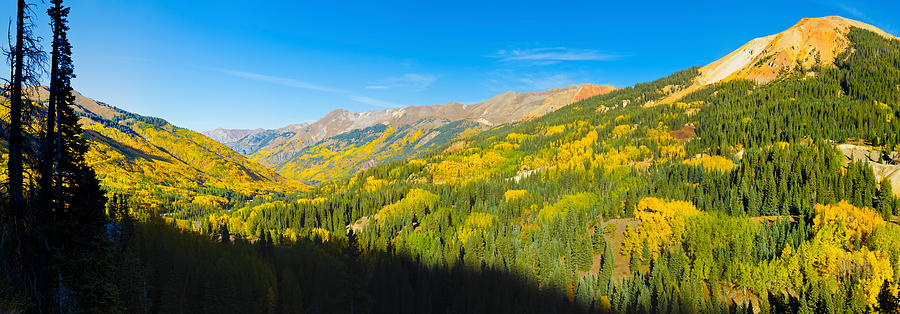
point(55, 255)
point(164, 269)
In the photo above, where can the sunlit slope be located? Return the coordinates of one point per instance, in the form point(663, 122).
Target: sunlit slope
point(854, 99)
point(333, 146)
point(165, 165)
point(343, 155)
point(812, 42)
point(749, 192)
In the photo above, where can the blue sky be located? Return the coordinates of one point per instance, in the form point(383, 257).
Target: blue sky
point(248, 64)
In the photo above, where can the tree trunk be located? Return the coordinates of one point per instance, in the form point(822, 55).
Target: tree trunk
point(48, 156)
point(15, 163)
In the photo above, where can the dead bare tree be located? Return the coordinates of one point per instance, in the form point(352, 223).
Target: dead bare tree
point(18, 233)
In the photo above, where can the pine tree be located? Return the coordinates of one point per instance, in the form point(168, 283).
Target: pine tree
point(886, 198)
point(79, 221)
point(635, 263)
point(585, 256)
point(24, 251)
point(354, 273)
point(887, 301)
point(262, 241)
point(224, 235)
point(606, 269)
point(645, 253)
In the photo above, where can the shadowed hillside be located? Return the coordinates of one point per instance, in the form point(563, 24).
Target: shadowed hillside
point(166, 270)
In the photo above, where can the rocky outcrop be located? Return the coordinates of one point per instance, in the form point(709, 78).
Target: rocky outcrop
point(810, 42)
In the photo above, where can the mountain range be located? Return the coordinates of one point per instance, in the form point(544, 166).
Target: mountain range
point(313, 152)
point(172, 167)
point(343, 142)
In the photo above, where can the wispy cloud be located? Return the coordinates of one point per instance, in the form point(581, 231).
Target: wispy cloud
point(552, 55)
point(409, 80)
point(280, 81)
point(531, 81)
point(374, 102)
point(546, 82)
point(851, 10)
point(856, 13)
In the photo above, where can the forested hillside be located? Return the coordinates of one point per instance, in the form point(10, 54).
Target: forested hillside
point(162, 166)
point(761, 183)
point(343, 142)
point(343, 155)
point(734, 197)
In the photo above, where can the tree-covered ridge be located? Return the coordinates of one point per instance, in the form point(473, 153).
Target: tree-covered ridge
point(278, 148)
point(341, 156)
point(177, 169)
point(856, 99)
point(166, 167)
point(627, 205)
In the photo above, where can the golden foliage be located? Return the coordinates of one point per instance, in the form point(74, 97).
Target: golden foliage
point(624, 155)
point(321, 163)
point(661, 222)
point(465, 168)
point(829, 261)
point(671, 151)
point(417, 162)
point(373, 184)
point(575, 154)
point(711, 163)
point(464, 233)
point(622, 130)
point(831, 255)
point(290, 235)
point(480, 220)
point(321, 233)
point(505, 146)
point(610, 228)
point(510, 195)
point(307, 201)
point(553, 130)
point(474, 222)
point(516, 138)
point(416, 202)
point(849, 221)
point(566, 203)
point(210, 200)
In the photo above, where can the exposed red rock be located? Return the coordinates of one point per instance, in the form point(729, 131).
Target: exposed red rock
point(812, 41)
point(589, 90)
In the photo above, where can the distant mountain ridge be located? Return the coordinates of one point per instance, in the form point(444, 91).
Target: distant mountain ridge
point(231, 135)
point(277, 148)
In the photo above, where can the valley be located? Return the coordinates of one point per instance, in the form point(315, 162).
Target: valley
point(766, 181)
point(305, 151)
